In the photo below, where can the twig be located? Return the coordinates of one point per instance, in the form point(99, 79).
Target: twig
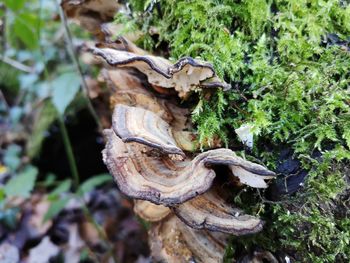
point(102, 234)
point(3, 28)
point(265, 201)
point(17, 65)
point(69, 152)
point(240, 93)
point(2, 97)
point(65, 137)
point(71, 52)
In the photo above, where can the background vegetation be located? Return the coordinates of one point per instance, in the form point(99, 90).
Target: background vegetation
point(50, 147)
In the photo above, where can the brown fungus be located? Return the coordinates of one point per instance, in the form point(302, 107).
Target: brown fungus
point(172, 241)
point(185, 75)
point(147, 149)
point(90, 14)
point(159, 179)
point(210, 211)
point(130, 91)
point(149, 211)
point(120, 43)
point(215, 82)
point(142, 173)
point(133, 124)
point(149, 124)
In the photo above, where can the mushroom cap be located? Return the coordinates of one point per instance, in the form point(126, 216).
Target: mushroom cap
point(253, 179)
point(149, 211)
point(159, 179)
point(91, 13)
point(142, 173)
point(120, 43)
point(186, 74)
point(249, 173)
point(130, 91)
point(105, 9)
point(215, 82)
point(224, 156)
point(210, 211)
point(173, 241)
point(133, 124)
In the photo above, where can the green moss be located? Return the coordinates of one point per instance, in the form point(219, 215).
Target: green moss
point(292, 83)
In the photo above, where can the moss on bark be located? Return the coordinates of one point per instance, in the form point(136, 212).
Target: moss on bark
point(288, 63)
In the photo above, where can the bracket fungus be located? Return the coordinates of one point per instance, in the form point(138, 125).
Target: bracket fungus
point(184, 76)
point(158, 179)
point(173, 187)
point(210, 211)
point(128, 90)
point(133, 124)
point(172, 241)
point(149, 211)
point(91, 14)
point(151, 149)
point(141, 155)
point(152, 157)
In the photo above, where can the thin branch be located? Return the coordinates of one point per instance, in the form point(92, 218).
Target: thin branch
point(69, 152)
point(64, 133)
point(17, 65)
point(3, 28)
point(101, 232)
point(70, 49)
point(2, 97)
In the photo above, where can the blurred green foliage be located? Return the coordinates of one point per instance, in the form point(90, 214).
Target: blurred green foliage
point(39, 85)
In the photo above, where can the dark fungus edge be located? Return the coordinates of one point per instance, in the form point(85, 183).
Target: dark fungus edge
point(209, 211)
point(136, 178)
point(157, 128)
point(117, 166)
point(105, 52)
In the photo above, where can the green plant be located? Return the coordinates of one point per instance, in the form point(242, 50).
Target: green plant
point(42, 84)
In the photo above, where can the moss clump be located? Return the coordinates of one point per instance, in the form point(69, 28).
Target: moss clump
point(288, 63)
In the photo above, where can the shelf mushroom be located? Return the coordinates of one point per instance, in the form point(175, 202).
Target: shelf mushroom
point(140, 156)
point(147, 154)
point(172, 241)
point(151, 148)
point(185, 75)
point(149, 211)
point(91, 14)
point(133, 124)
point(210, 211)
